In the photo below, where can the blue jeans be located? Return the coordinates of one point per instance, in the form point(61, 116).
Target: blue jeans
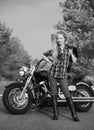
point(63, 84)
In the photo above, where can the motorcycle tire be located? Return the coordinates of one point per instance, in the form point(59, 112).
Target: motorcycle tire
point(11, 100)
point(83, 106)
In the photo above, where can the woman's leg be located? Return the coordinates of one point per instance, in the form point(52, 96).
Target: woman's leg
point(53, 86)
point(64, 87)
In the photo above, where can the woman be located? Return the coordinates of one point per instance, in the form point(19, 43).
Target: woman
point(58, 73)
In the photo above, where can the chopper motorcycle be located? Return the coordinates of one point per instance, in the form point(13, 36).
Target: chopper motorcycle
point(33, 88)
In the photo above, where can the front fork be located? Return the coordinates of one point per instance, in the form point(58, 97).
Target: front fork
point(27, 82)
point(24, 89)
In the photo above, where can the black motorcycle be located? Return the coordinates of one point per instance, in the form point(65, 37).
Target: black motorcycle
point(32, 90)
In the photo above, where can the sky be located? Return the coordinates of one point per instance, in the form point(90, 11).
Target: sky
point(32, 22)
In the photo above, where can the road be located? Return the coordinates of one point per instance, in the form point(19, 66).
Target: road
point(42, 120)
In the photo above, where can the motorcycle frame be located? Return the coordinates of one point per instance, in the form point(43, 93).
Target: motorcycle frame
point(75, 99)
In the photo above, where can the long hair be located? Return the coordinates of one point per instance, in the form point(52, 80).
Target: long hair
point(54, 44)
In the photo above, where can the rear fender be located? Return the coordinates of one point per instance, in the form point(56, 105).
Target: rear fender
point(83, 83)
point(86, 85)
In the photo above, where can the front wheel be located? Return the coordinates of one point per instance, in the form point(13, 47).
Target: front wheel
point(12, 101)
point(83, 91)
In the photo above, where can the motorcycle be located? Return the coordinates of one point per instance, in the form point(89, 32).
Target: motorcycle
point(32, 90)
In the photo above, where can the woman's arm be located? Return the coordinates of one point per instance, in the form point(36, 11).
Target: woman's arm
point(74, 54)
point(49, 55)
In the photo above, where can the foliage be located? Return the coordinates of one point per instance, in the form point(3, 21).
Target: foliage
point(78, 23)
point(12, 54)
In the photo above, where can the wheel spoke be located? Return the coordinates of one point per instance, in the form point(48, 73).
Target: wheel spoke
point(83, 93)
point(15, 101)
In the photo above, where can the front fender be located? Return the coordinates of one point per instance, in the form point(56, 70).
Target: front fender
point(15, 83)
point(86, 85)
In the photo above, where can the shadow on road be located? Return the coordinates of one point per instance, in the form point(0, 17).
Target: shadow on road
point(62, 112)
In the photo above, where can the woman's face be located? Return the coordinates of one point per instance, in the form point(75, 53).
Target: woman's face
point(60, 39)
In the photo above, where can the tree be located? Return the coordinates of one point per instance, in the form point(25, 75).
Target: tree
point(12, 54)
point(78, 23)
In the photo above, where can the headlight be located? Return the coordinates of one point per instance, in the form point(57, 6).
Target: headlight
point(23, 70)
point(21, 73)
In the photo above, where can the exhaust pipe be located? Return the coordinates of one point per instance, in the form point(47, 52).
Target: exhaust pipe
point(78, 99)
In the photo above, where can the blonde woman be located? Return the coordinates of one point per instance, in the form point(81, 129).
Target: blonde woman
point(58, 73)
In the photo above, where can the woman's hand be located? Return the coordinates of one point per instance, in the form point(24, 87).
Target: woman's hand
point(71, 51)
point(74, 59)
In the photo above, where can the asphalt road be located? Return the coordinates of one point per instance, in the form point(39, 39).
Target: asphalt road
point(42, 120)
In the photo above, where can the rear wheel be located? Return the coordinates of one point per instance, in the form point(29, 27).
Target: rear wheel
point(83, 91)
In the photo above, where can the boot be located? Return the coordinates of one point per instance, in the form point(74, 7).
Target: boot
point(55, 111)
point(72, 109)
